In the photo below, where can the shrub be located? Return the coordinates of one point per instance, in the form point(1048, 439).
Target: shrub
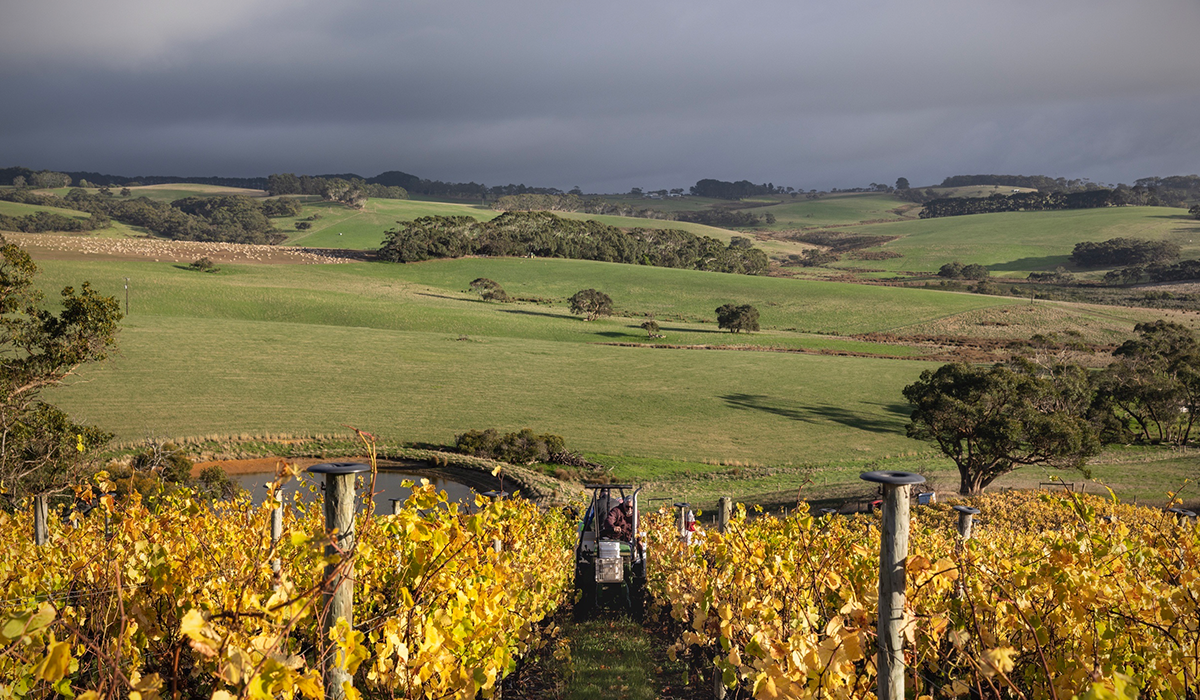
point(522, 447)
point(489, 290)
point(204, 265)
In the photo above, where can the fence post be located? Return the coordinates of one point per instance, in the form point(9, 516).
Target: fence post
point(397, 504)
point(40, 513)
point(338, 588)
point(724, 512)
point(893, 556)
point(685, 537)
point(965, 516)
point(276, 527)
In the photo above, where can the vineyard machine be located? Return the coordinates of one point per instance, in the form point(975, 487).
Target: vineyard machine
point(610, 565)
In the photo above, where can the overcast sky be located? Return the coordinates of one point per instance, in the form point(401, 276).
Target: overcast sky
point(606, 95)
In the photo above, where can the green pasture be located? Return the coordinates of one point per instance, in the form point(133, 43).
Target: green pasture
point(115, 229)
point(364, 229)
point(343, 227)
point(405, 352)
point(433, 297)
point(1016, 243)
point(832, 210)
point(805, 306)
point(165, 193)
point(193, 376)
point(688, 203)
point(628, 222)
point(19, 209)
point(273, 348)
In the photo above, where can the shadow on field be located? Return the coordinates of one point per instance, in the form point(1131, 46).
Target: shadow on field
point(665, 329)
point(1048, 262)
point(537, 313)
point(796, 411)
point(443, 296)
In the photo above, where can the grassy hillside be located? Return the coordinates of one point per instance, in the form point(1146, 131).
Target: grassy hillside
point(181, 376)
point(233, 344)
point(833, 210)
point(434, 297)
point(405, 352)
point(1015, 243)
point(397, 350)
point(116, 229)
point(342, 227)
point(18, 209)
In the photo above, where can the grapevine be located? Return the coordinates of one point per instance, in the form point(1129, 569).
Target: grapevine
point(181, 600)
point(1056, 597)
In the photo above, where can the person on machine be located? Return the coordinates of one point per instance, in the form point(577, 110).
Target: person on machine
point(618, 524)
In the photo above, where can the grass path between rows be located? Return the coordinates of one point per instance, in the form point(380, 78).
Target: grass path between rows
point(612, 657)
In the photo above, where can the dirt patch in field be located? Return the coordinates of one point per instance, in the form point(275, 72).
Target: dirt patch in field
point(41, 246)
point(260, 465)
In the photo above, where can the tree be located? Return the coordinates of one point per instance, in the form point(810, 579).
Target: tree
point(41, 448)
point(19, 182)
point(651, 328)
point(737, 317)
point(489, 289)
point(951, 270)
point(902, 183)
point(591, 304)
point(1153, 382)
point(1194, 211)
point(125, 192)
point(974, 271)
point(991, 421)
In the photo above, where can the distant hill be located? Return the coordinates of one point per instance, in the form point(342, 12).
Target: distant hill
point(1039, 182)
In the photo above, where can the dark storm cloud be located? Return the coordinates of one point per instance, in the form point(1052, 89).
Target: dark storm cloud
point(604, 95)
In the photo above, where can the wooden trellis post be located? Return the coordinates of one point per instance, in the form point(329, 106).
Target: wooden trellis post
point(893, 557)
point(724, 513)
point(40, 516)
point(966, 515)
point(338, 585)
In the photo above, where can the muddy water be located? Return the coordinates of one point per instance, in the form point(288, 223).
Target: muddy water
point(387, 486)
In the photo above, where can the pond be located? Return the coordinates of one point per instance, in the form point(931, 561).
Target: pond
point(387, 485)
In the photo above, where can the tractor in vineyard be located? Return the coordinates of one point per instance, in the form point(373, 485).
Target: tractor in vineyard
point(610, 557)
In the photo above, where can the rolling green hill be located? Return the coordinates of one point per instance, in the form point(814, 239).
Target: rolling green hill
point(1016, 243)
point(403, 350)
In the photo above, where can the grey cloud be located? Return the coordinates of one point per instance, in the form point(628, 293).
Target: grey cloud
point(606, 95)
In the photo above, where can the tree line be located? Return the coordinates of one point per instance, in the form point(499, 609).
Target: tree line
point(1124, 251)
point(719, 189)
point(992, 420)
point(1173, 191)
point(545, 235)
point(1023, 201)
point(43, 221)
point(352, 191)
point(224, 218)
